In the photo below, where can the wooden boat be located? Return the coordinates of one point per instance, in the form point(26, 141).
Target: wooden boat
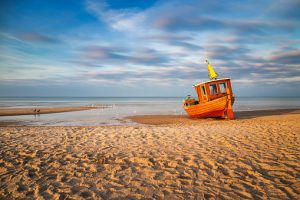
point(215, 98)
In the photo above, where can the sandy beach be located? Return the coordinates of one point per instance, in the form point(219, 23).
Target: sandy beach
point(253, 157)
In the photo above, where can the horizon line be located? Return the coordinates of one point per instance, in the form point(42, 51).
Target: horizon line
point(124, 96)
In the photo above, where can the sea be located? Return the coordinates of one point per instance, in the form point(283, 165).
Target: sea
point(116, 109)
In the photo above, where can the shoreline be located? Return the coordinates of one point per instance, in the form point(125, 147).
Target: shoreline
point(160, 119)
point(42, 110)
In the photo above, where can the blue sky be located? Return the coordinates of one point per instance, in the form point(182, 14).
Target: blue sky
point(148, 48)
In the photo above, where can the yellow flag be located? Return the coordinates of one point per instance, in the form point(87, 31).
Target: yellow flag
point(211, 72)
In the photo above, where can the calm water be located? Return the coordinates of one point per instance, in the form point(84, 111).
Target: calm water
point(120, 107)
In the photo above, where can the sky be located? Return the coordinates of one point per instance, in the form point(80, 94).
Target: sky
point(149, 47)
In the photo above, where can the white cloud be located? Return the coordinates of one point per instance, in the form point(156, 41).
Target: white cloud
point(121, 19)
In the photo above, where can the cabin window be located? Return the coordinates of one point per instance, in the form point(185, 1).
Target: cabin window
point(203, 90)
point(213, 89)
point(223, 87)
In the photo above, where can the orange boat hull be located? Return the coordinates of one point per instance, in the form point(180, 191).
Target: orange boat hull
point(215, 108)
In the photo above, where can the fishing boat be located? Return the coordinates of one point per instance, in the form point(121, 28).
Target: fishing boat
point(215, 98)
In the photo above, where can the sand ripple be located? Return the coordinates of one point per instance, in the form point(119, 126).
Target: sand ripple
point(242, 159)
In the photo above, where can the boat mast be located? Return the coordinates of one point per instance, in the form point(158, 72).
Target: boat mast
point(211, 72)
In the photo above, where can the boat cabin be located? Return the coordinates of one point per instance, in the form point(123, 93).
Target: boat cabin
point(213, 89)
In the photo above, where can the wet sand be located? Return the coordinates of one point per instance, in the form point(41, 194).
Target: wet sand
point(255, 157)
point(184, 119)
point(41, 110)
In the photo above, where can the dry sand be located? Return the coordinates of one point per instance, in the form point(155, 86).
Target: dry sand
point(42, 110)
point(250, 158)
